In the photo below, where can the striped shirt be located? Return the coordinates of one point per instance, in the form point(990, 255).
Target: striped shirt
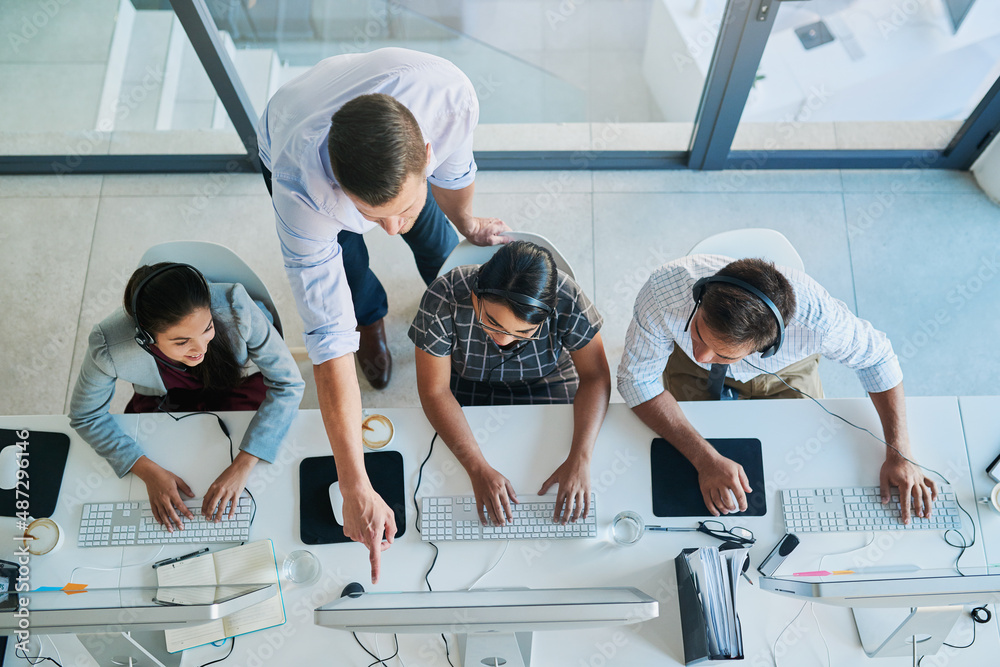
point(538, 371)
point(821, 324)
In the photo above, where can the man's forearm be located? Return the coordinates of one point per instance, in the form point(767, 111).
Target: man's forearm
point(665, 417)
point(340, 404)
point(891, 408)
point(456, 205)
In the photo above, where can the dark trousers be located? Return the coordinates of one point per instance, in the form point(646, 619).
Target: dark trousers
point(432, 239)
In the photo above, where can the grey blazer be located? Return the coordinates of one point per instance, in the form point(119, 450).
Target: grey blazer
point(113, 354)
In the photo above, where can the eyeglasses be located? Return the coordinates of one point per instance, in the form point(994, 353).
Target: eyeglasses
point(522, 337)
point(743, 536)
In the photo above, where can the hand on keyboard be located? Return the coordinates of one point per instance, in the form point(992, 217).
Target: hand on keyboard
point(164, 489)
point(495, 492)
point(227, 487)
point(573, 499)
point(914, 487)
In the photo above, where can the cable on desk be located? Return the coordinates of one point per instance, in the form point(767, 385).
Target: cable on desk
point(841, 553)
point(378, 660)
point(965, 544)
point(506, 543)
point(225, 432)
point(416, 506)
point(116, 569)
point(225, 657)
point(774, 645)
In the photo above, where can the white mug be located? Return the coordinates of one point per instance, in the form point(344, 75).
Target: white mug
point(993, 500)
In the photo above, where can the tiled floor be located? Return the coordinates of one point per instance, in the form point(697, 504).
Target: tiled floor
point(918, 253)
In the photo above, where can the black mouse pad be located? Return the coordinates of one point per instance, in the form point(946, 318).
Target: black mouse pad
point(46, 453)
point(316, 522)
point(675, 481)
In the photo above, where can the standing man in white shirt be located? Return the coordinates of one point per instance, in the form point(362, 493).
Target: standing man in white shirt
point(381, 138)
point(712, 326)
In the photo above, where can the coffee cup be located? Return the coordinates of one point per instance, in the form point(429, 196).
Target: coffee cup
point(376, 431)
point(42, 536)
point(993, 500)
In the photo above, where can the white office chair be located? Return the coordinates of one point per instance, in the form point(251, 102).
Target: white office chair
point(467, 253)
point(755, 242)
point(218, 264)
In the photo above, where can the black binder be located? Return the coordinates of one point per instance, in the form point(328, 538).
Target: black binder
point(316, 522)
point(694, 631)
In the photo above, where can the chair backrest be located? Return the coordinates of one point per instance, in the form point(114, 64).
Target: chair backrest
point(755, 242)
point(467, 253)
point(218, 264)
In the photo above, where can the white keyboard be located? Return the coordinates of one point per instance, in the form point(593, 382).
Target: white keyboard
point(861, 509)
point(444, 518)
point(132, 523)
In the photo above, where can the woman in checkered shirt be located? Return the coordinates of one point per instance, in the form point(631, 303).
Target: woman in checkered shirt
point(513, 331)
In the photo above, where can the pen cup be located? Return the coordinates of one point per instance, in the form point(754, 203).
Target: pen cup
point(627, 528)
point(301, 567)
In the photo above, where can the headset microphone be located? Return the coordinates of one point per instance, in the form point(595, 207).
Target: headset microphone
point(143, 338)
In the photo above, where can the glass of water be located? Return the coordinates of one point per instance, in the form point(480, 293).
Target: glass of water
point(627, 528)
point(301, 567)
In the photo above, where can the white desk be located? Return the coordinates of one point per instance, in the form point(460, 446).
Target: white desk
point(802, 447)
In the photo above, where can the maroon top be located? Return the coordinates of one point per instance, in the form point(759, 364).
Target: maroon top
point(187, 393)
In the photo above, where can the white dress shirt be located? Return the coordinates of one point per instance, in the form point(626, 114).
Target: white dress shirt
point(821, 324)
point(311, 208)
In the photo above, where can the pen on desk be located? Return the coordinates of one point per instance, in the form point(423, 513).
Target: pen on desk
point(671, 529)
point(170, 561)
point(880, 569)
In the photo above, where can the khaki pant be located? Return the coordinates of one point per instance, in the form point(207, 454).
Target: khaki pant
point(688, 381)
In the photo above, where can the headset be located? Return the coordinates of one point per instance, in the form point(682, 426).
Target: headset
point(698, 292)
point(516, 297)
point(143, 338)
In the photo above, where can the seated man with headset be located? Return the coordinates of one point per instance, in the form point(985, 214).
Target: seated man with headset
point(748, 329)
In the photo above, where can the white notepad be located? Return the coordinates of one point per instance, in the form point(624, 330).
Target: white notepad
point(252, 563)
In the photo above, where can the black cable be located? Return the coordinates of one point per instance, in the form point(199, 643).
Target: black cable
point(225, 657)
point(961, 547)
point(975, 620)
point(447, 651)
point(378, 660)
point(36, 660)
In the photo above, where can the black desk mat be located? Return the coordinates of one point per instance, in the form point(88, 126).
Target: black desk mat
point(675, 480)
point(46, 456)
point(316, 522)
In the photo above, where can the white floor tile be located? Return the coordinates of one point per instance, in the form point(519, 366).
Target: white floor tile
point(44, 248)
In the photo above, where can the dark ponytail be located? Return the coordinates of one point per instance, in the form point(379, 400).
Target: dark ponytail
point(168, 298)
point(521, 268)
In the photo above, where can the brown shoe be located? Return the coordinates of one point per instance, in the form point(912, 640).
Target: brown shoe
point(373, 355)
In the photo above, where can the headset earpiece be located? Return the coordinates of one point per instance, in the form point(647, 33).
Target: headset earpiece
point(143, 338)
point(522, 299)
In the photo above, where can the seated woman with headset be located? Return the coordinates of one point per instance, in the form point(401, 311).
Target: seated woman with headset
point(512, 331)
point(184, 344)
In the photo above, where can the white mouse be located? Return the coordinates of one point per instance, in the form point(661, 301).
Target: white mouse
point(8, 467)
point(337, 503)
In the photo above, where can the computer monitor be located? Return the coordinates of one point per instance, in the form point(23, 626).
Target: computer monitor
point(893, 611)
point(957, 11)
point(116, 624)
point(493, 626)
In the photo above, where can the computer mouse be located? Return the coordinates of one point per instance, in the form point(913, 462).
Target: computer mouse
point(8, 467)
point(337, 503)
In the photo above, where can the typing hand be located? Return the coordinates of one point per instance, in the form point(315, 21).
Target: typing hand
point(573, 478)
point(366, 518)
point(722, 480)
point(227, 487)
point(913, 486)
point(164, 489)
point(495, 492)
point(487, 231)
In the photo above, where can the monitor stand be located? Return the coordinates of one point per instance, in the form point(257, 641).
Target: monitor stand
point(889, 633)
point(510, 649)
point(130, 649)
